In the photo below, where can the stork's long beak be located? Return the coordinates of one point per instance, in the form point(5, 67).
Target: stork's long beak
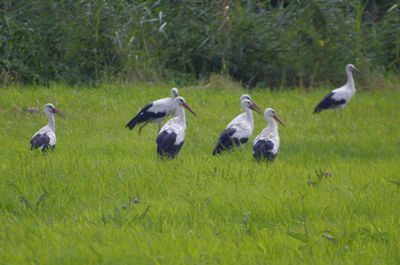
point(189, 109)
point(278, 120)
point(357, 71)
point(59, 113)
point(253, 106)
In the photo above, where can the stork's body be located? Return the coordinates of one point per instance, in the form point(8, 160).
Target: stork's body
point(45, 138)
point(266, 144)
point(155, 111)
point(239, 130)
point(172, 135)
point(339, 97)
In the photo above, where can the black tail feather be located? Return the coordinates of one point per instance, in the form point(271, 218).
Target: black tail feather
point(166, 147)
point(145, 115)
point(329, 103)
point(132, 123)
point(224, 142)
point(317, 109)
point(262, 150)
point(140, 117)
point(222, 147)
point(40, 141)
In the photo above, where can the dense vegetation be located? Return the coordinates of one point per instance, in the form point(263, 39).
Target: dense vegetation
point(102, 197)
point(261, 43)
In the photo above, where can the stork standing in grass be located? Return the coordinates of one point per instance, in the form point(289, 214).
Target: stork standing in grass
point(266, 144)
point(240, 129)
point(172, 135)
point(155, 111)
point(339, 97)
point(45, 138)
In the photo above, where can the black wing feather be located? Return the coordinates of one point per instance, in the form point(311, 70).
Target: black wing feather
point(40, 140)
point(262, 150)
point(225, 141)
point(328, 102)
point(144, 115)
point(166, 146)
point(34, 139)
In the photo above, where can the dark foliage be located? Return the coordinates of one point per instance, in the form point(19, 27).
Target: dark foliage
point(260, 43)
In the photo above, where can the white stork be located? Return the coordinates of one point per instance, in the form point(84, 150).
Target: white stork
point(245, 96)
point(155, 111)
point(172, 135)
point(45, 138)
point(240, 129)
point(266, 144)
point(339, 97)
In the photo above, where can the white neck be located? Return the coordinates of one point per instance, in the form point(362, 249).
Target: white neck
point(52, 122)
point(181, 115)
point(350, 80)
point(272, 127)
point(249, 115)
point(272, 124)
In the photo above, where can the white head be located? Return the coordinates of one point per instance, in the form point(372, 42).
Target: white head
point(351, 68)
point(180, 101)
point(270, 113)
point(245, 96)
point(249, 104)
point(174, 92)
point(49, 109)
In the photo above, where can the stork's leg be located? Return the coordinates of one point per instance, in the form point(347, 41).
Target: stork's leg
point(140, 129)
point(340, 110)
point(240, 147)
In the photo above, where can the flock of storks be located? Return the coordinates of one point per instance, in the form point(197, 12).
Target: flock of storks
point(171, 136)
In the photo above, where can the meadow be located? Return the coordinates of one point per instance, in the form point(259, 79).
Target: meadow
point(103, 197)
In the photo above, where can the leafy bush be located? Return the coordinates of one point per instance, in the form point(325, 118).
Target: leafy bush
point(301, 43)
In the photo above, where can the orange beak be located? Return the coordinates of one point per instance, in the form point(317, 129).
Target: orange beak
point(254, 107)
point(189, 109)
point(59, 113)
point(278, 120)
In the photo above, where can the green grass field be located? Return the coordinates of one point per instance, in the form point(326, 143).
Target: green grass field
point(66, 207)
